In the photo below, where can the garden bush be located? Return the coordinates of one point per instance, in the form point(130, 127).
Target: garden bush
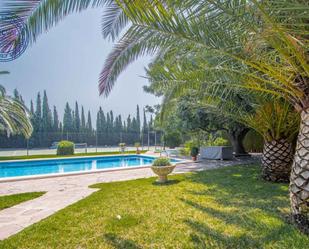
point(216, 140)
point(65, 148)
point(161, 161)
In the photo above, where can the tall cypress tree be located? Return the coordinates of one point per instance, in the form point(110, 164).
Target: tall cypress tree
point(37, 121)
point(17, 96)
point(38, 113)
point(138, 119)
point(46, 115)
point(56, 136)
point(135, 133)
point(83, 120)
point(111, 131)
point(145, 125)
point(76, 118)
point(89, 122)
point(31, 108)
point(118, 124)
point(67, 119)
point(32, 114)
point(108, 128)
point(111, 114)
point(100, 129)
point(56, 120)
point(99, 121)
point(129, 130)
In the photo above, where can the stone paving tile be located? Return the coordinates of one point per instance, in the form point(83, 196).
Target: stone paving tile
point(9, 230)
point(64, 191)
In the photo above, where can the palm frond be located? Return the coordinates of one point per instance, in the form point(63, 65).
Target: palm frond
point(176, 30)
point(41, 15)
point(114, 21)
point(14, 117)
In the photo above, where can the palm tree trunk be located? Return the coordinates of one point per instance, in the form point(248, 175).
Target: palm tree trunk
point(299, 182)
point(277, 160)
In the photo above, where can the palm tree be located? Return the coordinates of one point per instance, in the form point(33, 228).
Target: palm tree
point(278, 124)
point(274, 119)
point(14, 116)
point(269, 38)
point(274, 36)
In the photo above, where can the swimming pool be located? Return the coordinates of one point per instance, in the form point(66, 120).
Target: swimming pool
point(71, 165)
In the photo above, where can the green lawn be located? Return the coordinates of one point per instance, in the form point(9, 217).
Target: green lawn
point(223, 208)
point(2, 158)
point(12, 200)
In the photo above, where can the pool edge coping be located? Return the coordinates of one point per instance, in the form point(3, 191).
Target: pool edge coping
point(72, 157)
point(76, 173)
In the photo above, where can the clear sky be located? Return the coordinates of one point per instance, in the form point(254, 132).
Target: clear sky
point(67, 61)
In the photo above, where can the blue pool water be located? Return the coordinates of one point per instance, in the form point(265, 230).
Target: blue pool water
point(40, 167)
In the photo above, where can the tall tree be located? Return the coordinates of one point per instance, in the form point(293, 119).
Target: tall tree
point(89, 122)
point(38, 114)
point(99, 126)
point(31, 108)
point(46, 115)
point(145, 125)
point(76, 118)
point(17, 96)
point(138, 119)
point(118, 127)
point(56, 120)
point(83, 120)
point(67, 119)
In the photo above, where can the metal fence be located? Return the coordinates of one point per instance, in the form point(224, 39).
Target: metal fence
point(85, 142)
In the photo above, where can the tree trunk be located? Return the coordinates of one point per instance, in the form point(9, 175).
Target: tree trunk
point(277, 160)
point(299, 181)
point(237, 138)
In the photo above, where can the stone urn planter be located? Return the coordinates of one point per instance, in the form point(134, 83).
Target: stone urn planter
point(162, 168)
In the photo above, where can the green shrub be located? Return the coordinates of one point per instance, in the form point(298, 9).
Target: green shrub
point(172, 139)
point(188, 145)
point(65, 148)
point(220, 141)
point(194, 151)
point(215, 141)
point(184, 151)
point(161, 161)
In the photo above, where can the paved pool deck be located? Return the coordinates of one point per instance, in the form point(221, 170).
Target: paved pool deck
point(64, 191)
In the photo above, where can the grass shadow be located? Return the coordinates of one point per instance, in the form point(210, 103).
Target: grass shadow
point(120, 243)
point(239, 188)
point(238, 198)
point(168, 183)
point(203, 236)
